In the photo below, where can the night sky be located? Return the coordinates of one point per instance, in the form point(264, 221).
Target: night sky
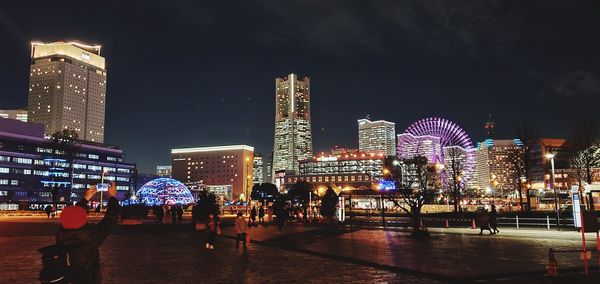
point(188, 73)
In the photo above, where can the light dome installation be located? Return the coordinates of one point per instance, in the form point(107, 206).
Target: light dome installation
point(164, 191)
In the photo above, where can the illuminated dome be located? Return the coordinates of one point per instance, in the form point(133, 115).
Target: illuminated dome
point(164, 191)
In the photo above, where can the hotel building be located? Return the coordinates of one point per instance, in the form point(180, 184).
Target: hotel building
point(377, 137)
point(496, 164)
point(67, 89)
point(225, 170)
point(428, 146)
point(293, 139)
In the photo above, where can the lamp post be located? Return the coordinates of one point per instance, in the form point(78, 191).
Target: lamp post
point(551, 157)
point(101, 194)
point(247, 183)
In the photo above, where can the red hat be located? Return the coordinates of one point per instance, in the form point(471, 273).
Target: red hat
point(73, 217)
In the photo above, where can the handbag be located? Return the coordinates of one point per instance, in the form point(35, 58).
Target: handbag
point(218, 230)
point(200, 226)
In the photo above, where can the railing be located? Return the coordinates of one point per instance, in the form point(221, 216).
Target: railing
point(549, 223)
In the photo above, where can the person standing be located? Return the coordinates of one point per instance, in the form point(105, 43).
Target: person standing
point(173, 215)
point(179, 214)
point(484, 222)
point(82, 240)
point(159, 211)
point(494, 220)
point(241, 229)
point(261, 215)
point(253, 215)
point(212, 226)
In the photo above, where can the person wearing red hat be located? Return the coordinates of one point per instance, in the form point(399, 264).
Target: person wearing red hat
point(82, 240)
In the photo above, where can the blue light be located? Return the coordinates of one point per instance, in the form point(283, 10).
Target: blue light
point(386, 185)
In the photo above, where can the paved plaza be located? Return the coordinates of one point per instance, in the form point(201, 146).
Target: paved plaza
point(153, 253)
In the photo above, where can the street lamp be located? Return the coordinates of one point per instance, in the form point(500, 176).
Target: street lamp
point(101, 194)
point(551, 157)
point(247, 183)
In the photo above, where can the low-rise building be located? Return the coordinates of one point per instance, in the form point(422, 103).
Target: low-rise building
point(32, 167)
point(226, 170)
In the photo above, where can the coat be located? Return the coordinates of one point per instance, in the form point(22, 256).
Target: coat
point(83, 244)
point(240, 225)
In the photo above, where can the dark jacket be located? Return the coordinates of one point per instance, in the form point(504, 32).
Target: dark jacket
point(83, 244)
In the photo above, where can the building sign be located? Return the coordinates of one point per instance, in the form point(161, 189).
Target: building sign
point(576, 211)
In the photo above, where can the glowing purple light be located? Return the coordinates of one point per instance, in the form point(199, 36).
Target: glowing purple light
point(164, 191)
point(450, 134)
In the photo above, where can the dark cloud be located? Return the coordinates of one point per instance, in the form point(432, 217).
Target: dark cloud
point(578, 83)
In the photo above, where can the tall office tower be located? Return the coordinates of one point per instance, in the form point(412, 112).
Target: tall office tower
point(268, 170)
point(257, 169)
point(377, 137)
point(428, 146)
point(67, 89)
point(18, 114)
point(293, 140)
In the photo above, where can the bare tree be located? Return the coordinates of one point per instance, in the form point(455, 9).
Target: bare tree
point(585, 142)
point(454, 170)
point(525, 131)
point(417, 185)
point(520, 171)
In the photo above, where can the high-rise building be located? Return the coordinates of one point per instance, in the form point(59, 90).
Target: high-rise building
point(67, 88)
point(257, 169)
point(164, 171)
point(498, 164)
point(377, 137)
point(293, 139)
point(268, 172)
point(428, 146)
point(224, 170)
point(18, 114)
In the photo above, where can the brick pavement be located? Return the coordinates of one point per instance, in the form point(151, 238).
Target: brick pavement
point(180, 258)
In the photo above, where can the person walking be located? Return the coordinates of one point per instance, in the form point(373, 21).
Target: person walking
point(241, 229)
point(253, 215)
point(494, 220)
point(212, 226)
point(82, 240)
point(261, 215)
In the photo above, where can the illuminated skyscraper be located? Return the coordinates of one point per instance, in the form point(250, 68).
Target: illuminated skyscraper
point(377, 137)
point(293, 139)
point(67, 88)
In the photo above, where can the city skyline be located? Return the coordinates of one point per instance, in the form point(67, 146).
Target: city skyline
point(491, 72)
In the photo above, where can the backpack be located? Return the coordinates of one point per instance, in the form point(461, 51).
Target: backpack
point(56, 265)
